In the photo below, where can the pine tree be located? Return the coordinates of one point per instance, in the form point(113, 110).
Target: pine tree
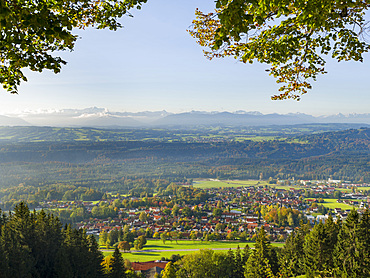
point(3, 263)
point(246, 253)
point(263, 260)
point(230, 264)
point(257, 266)
point(95, 258)
point(314, 260)
point(347, 255)
point(18, 236)
point(293, 254)
point(238, 264)
point(117, 265)
point(80, 254)
point(364, 242)
point(331, 230)
point(47, 243)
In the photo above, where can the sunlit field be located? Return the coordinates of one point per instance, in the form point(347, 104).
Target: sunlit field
point(155, 249)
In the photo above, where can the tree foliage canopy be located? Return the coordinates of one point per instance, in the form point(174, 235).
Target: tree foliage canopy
point(31, 30)
point(291, 36)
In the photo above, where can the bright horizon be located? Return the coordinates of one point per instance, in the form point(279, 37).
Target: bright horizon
point(46, 111)
point(153, 64)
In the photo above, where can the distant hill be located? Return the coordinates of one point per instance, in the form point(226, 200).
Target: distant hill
point(352, 141)
point(232, 119)
point(16, 134)
point(340, 155)
point(107, 121)
point(101, 117)
point(12, 121)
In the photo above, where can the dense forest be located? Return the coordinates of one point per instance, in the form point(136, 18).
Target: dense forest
point(34, 244)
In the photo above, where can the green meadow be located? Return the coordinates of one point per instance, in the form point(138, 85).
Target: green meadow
point(237, 183)
point(358, 189)
point(363, 188)
point(286, 187)
point(226, 183)
point(155, 249)
point(332, 203)
point(346, 190)
point(147, 256)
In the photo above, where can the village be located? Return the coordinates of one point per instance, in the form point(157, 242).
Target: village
point(233, 213)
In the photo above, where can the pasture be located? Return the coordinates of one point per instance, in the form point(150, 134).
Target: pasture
point(332, 204)
point(212, 183)
point(155, 249)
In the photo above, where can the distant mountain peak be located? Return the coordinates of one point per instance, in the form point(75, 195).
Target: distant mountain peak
point(98, 116)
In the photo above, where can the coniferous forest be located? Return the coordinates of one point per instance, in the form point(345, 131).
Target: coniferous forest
point(34, 244)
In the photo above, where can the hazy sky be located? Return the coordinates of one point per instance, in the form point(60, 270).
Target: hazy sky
point(154, 64)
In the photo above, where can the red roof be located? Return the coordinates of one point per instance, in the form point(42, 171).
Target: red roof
point(143, 266)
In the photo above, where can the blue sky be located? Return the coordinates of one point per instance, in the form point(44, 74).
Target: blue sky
point(154, 64)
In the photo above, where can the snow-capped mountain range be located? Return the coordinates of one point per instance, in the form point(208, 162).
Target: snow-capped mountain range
point(101, 117)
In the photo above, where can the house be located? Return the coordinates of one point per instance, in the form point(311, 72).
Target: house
point(311, 219)
point(321, 218)
point(150, 273)
point(149, 268)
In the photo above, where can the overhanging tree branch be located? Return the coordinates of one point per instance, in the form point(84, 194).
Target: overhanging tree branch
point(293, 37)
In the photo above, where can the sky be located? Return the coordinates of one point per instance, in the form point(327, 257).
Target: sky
point(153, 64)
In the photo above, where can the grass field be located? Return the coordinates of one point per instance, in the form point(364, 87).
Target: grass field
point(227, 183)
point(344, 189)
point(148, 256)
point(237, 183)
point(363, 188)
point(286, 187)
point(241, 138)
point(332, 203)
point(247, 182)
point(168, 249)
point(357, 189)
point(213, 184)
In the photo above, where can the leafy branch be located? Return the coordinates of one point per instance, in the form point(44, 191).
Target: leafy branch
point(293, 37)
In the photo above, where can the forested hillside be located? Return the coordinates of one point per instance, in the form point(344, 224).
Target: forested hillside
point(17, 134)
point(105, 165)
